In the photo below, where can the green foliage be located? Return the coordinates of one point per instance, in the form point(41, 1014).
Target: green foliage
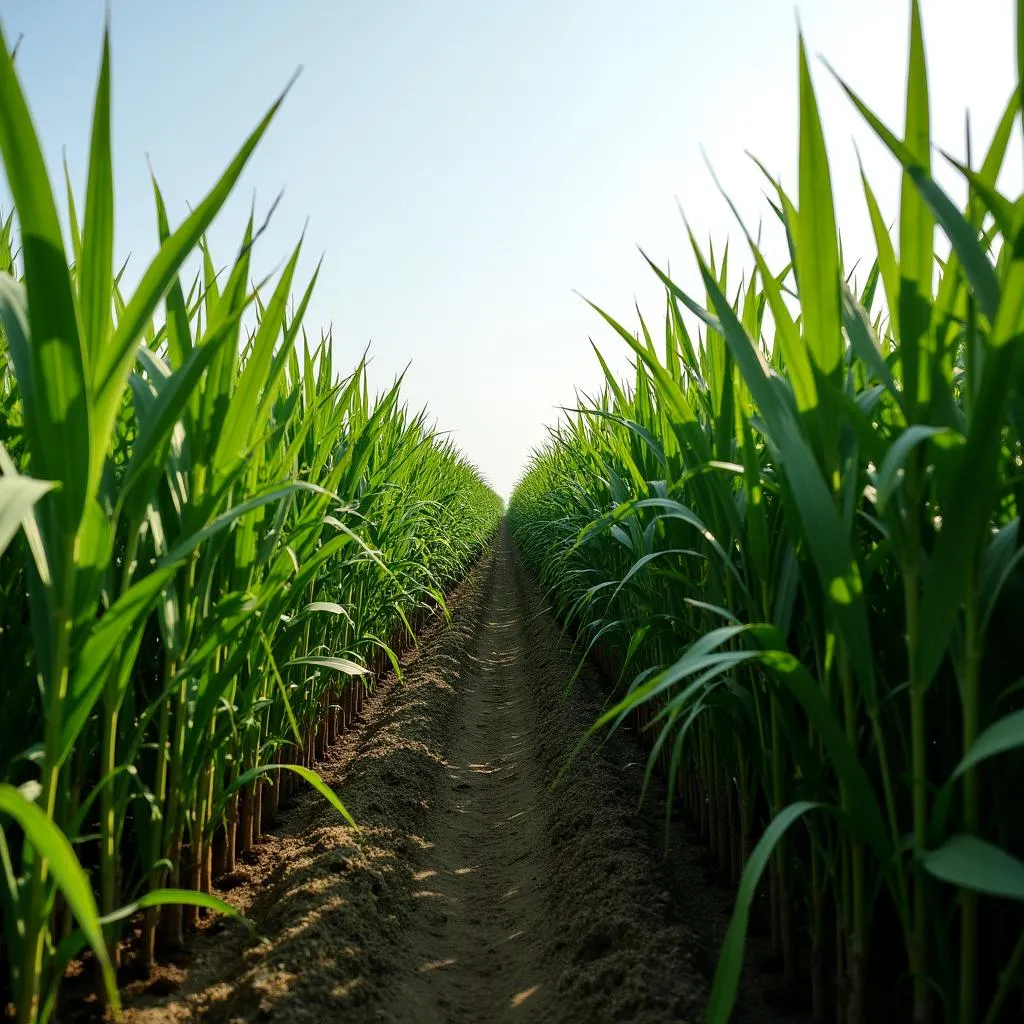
point(209, 543)
point(793, 539)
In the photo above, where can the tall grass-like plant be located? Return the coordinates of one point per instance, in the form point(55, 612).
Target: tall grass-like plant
point(794, 537)
point(209, 545)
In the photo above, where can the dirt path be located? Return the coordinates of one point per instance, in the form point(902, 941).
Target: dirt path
point(476, 893)
point(484, 900)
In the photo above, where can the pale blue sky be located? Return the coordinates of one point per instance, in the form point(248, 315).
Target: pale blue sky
point(465, 165)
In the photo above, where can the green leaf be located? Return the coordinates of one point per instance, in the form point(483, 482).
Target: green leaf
point(304, 773)
point(331, 607)
point(889, 474)
point(864, 341)
point(179, 332)
point(110, 646)
point(111, 373)
point(730, 960)
point(18, 494)
point(865, 815)
point(671, 391)
point(972, 863)
point(188, 544)
point(96, 270)
point(794, 347)
point(29, 521)
point(828, 542)
point(968, 500)
point(48, 361)
point(920, 206)
point(817, 255)
point(176, 897)
point(396, 665)
point(349, 668)
point(241, 421)
point(1000, 558)
point(51, 844)
point(76, 235)
point(281, 688)
point(916, 229)
point(888, 267)
point(174, 393)
point(1002, 736)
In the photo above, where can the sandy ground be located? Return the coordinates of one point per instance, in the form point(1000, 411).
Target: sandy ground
point(477, 891)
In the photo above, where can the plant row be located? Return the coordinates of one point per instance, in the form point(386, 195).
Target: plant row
point(793, 536)
point(210, 543)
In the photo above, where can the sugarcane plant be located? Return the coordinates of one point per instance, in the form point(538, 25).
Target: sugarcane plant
point(793, 539)
point(211, 543)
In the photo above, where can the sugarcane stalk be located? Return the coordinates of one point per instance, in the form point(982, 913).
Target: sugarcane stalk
point(971, 794)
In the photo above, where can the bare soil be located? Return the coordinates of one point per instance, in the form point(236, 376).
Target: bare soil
point(485, 884)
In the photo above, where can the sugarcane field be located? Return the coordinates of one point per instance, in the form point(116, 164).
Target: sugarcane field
point(511, 513)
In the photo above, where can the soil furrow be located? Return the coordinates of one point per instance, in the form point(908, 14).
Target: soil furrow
point(484, 904)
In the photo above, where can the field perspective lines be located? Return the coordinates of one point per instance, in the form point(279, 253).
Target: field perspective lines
point(703, 702)
point(477, 891)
